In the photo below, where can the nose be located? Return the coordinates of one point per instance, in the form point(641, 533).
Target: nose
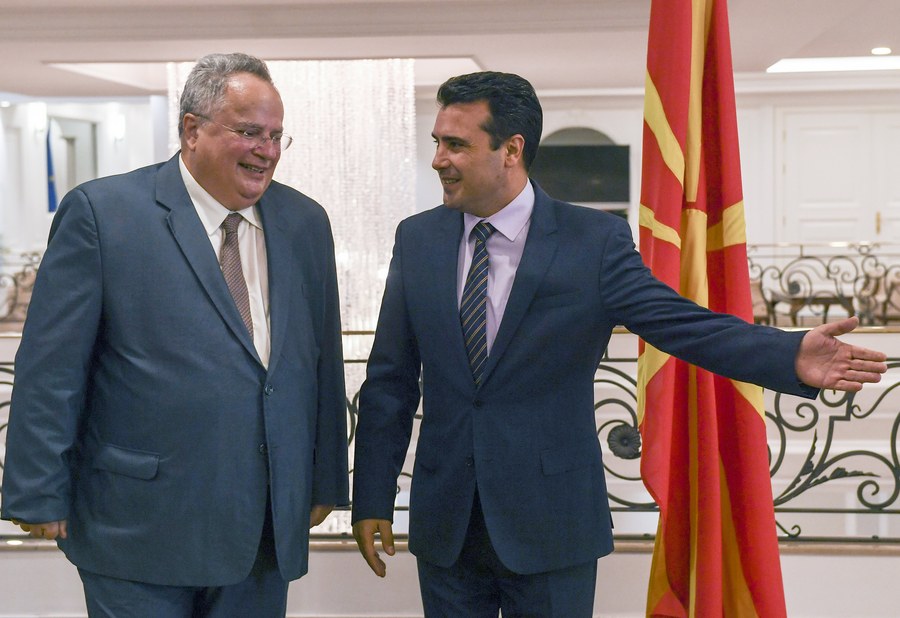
point(439, 161)
point(268, 149)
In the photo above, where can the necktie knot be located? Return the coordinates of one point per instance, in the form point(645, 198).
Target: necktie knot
point(231, 223)
point(482, 231)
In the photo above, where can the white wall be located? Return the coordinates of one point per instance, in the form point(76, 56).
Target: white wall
point(125, 134)
point(24, 203)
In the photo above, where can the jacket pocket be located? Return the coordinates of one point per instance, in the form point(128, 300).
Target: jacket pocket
point(127, 462)
point(570, 457)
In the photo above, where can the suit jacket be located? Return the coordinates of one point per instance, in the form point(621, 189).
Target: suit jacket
point(526, 437)
point(141, 412)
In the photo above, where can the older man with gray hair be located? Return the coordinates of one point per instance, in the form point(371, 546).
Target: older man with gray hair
point(178, 418)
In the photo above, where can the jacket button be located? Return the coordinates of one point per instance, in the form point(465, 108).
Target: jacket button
point(470, 462)
point(269, 389)
point(477, 403)
point(263, 449)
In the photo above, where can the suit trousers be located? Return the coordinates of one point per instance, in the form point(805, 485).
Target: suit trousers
point(479, 585)
point(263, 594)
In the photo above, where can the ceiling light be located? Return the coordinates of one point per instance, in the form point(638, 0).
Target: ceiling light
point(853, 63)
point(881, 51)
point(5, 104)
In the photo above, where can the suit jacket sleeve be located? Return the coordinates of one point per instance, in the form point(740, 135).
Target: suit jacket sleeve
point(52, 366)
point(718, 342)
point(330, 474)
point(388, 401)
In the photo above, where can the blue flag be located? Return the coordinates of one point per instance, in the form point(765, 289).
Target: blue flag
point(51, 178)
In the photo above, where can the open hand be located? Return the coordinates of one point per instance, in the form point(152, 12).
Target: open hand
point(823, 361)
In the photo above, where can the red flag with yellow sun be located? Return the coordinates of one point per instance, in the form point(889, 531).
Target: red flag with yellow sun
point(705, 459)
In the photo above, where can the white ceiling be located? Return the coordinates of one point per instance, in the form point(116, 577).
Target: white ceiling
point(559, 45)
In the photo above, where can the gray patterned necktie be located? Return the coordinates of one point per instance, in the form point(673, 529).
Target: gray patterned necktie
point(473, 308)
point(230, 261)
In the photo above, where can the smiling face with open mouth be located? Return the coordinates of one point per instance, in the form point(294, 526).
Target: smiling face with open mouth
point(234, 169)
point(477, 176)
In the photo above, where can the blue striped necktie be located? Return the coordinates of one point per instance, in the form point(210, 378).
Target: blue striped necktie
point(473, 308)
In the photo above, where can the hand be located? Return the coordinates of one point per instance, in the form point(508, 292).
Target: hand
point(364, 532)
point(318, 514)
point(48, 530)
point(825, 362)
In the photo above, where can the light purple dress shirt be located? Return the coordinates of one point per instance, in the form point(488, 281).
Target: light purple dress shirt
point(505, 248)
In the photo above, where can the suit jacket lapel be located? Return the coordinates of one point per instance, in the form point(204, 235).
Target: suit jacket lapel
point(279, 253)
point(191, 237)
point(540, 248)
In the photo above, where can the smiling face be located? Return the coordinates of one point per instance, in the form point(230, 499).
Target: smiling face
point(475, 178)
point(234, 170)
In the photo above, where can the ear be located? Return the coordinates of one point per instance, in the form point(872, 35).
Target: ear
point(191, 127)
point(514, 150)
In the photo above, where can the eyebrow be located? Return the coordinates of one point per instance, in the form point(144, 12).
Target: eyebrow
point(256, 126)
point(449, 138)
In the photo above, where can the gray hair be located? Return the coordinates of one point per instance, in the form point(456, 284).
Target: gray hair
point(204, 89)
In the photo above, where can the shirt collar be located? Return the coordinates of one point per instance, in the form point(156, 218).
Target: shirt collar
point(510, 219)
point(212, 213)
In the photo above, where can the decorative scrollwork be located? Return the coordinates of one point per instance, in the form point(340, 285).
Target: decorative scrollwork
point(829, 459)
point(16, 283)
point(804, 282)
point(6, 383)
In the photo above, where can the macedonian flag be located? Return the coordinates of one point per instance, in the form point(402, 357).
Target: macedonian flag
point(705, 459)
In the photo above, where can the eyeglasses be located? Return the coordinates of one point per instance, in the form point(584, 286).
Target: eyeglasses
point(281, 142)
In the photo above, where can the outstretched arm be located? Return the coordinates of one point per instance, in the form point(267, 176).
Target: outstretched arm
point(823, 361)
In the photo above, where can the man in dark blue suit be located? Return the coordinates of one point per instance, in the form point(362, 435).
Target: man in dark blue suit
point(178, 417)
point(508, 507)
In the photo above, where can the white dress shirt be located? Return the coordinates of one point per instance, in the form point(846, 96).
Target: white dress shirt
point(505, 247)
point(252, 245)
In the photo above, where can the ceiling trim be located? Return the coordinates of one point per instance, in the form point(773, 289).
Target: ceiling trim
point(127, 23)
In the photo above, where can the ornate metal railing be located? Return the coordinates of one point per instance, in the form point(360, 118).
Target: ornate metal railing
point(791, 284)
point(799, 284)
point(834, 461)
point(16, 281)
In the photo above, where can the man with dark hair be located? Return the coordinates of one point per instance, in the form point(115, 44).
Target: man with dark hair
point(503, 301)
point(512, 106)
point(178, 419)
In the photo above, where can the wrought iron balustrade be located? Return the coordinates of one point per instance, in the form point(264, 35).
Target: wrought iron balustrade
point(16, 281)
point(834, 461)
point(791, 284)
point(797, 284)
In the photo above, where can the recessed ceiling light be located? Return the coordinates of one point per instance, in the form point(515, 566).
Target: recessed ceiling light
point(5, 104)
point(853, 63)
point(881, 51)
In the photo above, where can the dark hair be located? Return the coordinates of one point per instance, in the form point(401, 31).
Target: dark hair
point(204, 89)
point(513, 104)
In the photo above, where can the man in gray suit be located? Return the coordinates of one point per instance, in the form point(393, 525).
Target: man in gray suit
point(178, 418)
